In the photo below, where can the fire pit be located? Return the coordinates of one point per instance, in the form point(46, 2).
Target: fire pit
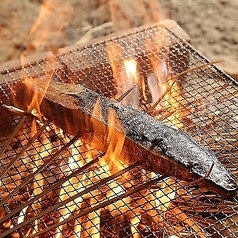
point(56, 184)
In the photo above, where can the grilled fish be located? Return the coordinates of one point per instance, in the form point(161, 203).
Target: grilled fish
point(164, 149)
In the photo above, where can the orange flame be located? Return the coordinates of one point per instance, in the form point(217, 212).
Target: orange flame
point(157, 81)
point(125, 75)
point(131, 81)
point(34, 94)
point(160, 84)
point(32, 97)
point(115, 142)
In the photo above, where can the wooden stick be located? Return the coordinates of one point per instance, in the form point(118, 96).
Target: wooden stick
point(160, 98)
point(195, 68)
point(124, 95)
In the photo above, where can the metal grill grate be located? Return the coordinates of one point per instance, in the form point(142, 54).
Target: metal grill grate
point(132, 202)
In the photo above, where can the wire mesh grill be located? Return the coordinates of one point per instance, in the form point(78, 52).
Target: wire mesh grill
point(73, 193)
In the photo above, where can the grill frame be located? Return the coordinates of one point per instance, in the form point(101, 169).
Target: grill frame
point(207, 85)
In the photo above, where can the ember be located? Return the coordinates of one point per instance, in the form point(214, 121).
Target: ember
point(57, 185)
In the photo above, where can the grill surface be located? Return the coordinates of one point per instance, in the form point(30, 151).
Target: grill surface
point(203, 103)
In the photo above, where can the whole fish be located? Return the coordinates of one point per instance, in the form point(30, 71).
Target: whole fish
point(165, 150)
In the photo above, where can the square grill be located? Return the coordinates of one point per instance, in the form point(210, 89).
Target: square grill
point(59, 186)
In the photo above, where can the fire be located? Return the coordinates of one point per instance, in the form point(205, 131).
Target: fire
point(157, 81)
point(115, 141)
point(165, 91)
point(161, 86)
point(152, 203)
point(34, 99)
point(144, 208)
point(39, 34)
point(131, 71)
point(126, 77)
point(109, 164)
point(174, 101)
point(143, 203)
point(131, 81)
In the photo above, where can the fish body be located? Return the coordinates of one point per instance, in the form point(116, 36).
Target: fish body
point(165, 150)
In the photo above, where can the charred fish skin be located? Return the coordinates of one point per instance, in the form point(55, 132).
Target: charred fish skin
point(159, 138)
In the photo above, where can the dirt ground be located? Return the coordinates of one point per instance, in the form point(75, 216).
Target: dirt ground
point(30, 26)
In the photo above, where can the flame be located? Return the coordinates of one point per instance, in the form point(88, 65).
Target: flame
point(174, 101)
point(157, 81)
point(131, 71)
point(158, 84)
point(131, 80)
point(125, 75)
point(39, 33)
point(34, 96)
point(115, 142)
point(109, 164)
point(161, 84)
point(112, 141)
